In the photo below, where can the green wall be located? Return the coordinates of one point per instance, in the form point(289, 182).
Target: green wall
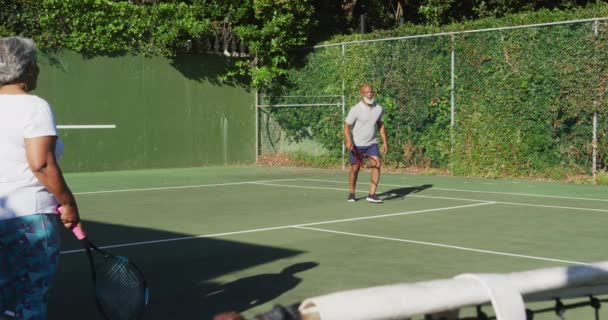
point(168, 112)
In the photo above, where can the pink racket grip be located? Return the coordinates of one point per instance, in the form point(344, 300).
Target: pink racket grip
point(77, 230)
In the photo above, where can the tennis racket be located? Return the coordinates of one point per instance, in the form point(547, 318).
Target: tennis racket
point(363, 159)
point(121, 292)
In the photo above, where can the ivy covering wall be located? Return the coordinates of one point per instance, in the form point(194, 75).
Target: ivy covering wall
point(259, 33)
point(524, 98)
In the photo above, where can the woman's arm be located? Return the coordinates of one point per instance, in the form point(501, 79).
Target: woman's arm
point(40, 154)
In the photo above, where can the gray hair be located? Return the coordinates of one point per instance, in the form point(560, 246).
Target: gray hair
point(16, 54)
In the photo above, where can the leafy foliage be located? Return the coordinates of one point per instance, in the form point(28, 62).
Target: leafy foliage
point(524, 98)
point(343, 16)
point(268, 28)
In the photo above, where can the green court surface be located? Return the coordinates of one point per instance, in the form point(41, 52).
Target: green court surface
point(245, 238)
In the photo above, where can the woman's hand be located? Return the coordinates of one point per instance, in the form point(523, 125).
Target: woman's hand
point(69, 216)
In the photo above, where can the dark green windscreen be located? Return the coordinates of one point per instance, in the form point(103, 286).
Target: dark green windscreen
point(168, 112)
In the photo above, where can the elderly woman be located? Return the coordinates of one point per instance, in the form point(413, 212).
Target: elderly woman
point(31, 185)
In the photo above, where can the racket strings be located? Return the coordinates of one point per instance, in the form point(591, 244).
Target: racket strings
point(120, 288)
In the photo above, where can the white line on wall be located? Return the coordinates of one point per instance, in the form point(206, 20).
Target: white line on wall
point(86, 126)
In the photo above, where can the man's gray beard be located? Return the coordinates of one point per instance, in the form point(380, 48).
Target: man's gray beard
point(368, 100)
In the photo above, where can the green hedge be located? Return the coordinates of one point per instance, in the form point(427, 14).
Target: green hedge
point(524, 98)
point(267, 28)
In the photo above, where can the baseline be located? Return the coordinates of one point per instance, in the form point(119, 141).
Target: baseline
point(181, 187)
point(472, 191)
point(446, 198)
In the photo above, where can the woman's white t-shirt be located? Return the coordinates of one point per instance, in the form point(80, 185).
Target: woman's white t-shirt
point(22, 116)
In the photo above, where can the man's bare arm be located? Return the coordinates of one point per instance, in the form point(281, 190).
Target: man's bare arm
point(348, 140)
point(383, 136)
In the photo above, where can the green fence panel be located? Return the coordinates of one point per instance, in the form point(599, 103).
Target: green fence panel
point(167, 112)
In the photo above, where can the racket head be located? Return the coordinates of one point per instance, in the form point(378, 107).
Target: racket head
point(121, 291)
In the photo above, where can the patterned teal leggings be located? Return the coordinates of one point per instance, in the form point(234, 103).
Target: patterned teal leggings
point(29, 254)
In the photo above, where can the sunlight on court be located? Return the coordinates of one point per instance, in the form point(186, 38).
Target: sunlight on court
point(224, 236)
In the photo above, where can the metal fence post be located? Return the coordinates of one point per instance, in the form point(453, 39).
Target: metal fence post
point(452, 105)
point(452, 102)
point(594, 165)
point(257, 124)
point(594, 141)
point(343, 105)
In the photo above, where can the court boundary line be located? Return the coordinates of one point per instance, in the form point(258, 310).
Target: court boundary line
point(439, 245)
point(180, 187)
point(330, 181)
point(472, 191)
point(433, 197)
point(215, 235)
point(342, 189)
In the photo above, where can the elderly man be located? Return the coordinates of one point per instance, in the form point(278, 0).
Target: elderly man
point(360, 126)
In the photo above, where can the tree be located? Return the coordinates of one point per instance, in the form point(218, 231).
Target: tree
point(258, 34)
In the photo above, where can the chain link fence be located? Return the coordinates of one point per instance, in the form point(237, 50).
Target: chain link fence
point(517, 101)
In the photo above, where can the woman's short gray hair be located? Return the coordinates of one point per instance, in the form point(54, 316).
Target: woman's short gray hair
point(16, 54)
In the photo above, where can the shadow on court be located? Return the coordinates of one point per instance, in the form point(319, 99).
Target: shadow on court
point(401, 193)
point(245, 293)
point(179, 274)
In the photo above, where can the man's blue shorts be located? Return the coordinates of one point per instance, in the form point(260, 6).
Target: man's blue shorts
point(371, 150)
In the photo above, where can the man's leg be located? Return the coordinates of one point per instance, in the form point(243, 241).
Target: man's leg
point(352, 179)
point(375, 175)
point(352, 176)
point(372, 197)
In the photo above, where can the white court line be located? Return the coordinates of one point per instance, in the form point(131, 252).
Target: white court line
point(181, 187)
point(86, 126)
point(473, 191)
point(282, 227)
point(342, 189)
point(544, 206)
point(432, 197)
point(440, 245)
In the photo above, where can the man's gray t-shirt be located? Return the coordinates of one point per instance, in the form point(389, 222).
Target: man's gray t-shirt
point(364, 120)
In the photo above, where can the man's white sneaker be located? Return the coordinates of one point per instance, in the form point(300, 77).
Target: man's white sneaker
point(373, 198)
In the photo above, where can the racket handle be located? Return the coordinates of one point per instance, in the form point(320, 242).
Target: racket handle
point(77, 230)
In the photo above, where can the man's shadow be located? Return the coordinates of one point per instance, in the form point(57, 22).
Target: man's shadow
point(401, 193)
point(246, 293)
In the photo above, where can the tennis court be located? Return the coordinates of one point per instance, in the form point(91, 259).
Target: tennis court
point(245, 238)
